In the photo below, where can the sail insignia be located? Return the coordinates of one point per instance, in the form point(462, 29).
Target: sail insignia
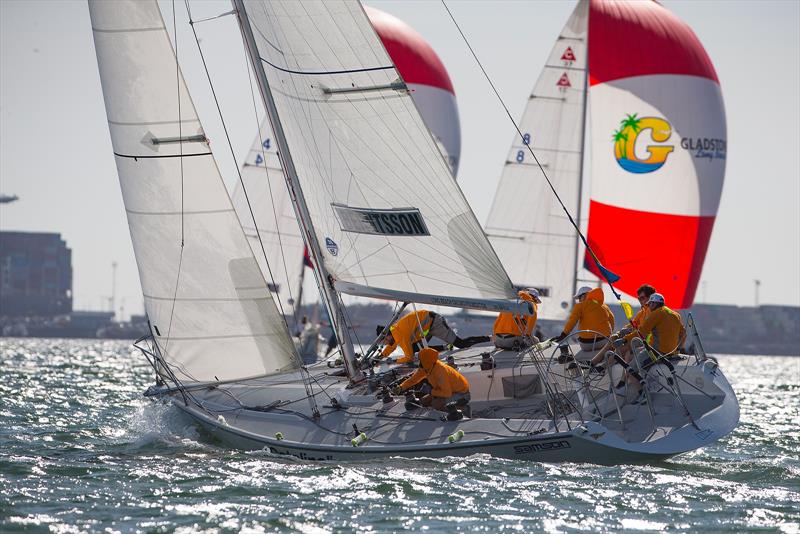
point(393, 221)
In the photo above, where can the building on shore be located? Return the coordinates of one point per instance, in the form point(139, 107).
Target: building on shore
point(35, 274)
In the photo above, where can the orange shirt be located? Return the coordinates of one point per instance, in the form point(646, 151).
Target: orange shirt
point(591, 314)
point(509, 323)
point(444, 380)
point(667, 330)
point(406, 332)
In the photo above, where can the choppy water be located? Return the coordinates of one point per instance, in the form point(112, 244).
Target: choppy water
point(81, 450)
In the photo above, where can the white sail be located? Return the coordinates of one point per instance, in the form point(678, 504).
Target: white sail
point(381, 198)
point(264, 203)
point(208, 303)
point(526, 226)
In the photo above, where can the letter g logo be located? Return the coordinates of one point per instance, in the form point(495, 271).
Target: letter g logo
point(625, 138)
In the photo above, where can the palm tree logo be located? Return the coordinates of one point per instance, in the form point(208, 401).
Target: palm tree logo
point(629, 125)
point(620, 137)
point(630, 121)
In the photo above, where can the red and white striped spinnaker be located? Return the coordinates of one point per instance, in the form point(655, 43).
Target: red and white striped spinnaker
point(657, 146)
point(657, 182)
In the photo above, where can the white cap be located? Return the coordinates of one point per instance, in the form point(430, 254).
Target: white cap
point(658, 298)
point(535, 294)
point(582, 291)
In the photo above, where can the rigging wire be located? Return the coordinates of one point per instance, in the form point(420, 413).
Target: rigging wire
point(608, 275)
point(303, 370)
point(180, 159)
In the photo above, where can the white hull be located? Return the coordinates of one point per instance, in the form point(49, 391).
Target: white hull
point(420, 433)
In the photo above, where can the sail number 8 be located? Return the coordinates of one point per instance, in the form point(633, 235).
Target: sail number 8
point(526, 140)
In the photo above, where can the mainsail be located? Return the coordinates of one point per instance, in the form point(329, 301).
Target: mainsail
point(263, 188)
point(529, 230)
point(659, 147)
point(204, 293)
point(383, 204)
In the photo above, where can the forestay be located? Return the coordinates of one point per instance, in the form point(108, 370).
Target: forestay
point(532, 235)
point(382, 201)
point(211, 311)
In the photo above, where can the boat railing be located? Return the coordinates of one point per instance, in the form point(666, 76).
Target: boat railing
point(579, 391)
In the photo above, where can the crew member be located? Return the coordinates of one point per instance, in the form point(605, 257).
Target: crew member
point(411, 328)
point(662, 328)
point(666, 334)
point(589, 313)
point(448, 385)
point(642, 294)
point(513, 331)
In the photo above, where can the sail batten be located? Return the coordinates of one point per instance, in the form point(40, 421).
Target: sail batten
point(204, 293)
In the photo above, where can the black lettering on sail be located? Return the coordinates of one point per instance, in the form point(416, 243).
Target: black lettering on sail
point(390, 222)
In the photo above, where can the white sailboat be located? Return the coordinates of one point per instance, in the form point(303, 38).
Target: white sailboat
point(631, 84)
point(382, 218)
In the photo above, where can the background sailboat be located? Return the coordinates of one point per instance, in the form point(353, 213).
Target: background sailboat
point(657, 156)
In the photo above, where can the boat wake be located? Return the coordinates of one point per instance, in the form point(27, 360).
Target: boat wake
point(155, 426)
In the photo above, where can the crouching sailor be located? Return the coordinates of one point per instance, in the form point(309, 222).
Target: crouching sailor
point(409, 330)
point(513, 331)
point(448, 385)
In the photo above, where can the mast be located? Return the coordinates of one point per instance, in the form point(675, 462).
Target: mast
point(301, 279)
point(578, 260)
point(324, 280)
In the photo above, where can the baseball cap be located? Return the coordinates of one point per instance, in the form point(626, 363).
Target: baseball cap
point(534, 293)
point(582, 291)
point(658, 298)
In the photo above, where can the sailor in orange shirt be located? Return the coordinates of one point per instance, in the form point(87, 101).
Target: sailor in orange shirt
point(663, 328)
point(513, 331)
point(448, 385)
point(410, 329)
point(642, 294)
point(589, 313)
point(668, 335)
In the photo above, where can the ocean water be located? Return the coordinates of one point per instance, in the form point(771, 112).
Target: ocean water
point(81, 450)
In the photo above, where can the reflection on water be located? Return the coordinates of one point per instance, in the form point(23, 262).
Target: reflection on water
point(80, 449)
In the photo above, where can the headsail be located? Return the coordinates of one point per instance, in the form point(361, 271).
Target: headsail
point(381, 198)
point(208, 299)
point(659, 147)
point(529, 230)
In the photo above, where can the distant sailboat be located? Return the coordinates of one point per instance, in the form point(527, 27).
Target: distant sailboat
point(382, 218)
point(657, 157)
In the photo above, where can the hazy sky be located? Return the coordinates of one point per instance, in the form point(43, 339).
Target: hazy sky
point(55, 151)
